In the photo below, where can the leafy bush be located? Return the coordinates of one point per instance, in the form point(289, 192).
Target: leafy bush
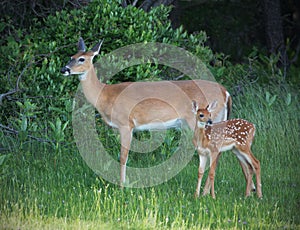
point(33, 59)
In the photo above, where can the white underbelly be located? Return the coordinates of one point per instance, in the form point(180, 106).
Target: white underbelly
point(156, 125)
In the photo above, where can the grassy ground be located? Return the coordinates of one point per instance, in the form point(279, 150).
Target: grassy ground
point(43, 187)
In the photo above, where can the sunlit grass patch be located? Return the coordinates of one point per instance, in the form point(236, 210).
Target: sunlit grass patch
point(45, 187)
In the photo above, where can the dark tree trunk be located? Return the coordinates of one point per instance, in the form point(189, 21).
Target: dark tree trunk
point(148, 4)
point(274, 30)
point(175, 14)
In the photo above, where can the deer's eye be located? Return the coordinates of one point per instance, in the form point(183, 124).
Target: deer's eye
point(81, 59)
point(201, 115)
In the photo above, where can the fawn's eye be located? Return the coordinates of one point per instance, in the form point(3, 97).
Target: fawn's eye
point(201, 115)
point(81, 59)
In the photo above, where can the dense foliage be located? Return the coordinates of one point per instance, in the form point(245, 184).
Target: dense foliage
point(32, 59)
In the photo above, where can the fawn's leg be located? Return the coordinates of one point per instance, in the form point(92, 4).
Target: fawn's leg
point(249, 183)
point(247, 173)
point(208, 183)
point(256, 166)
point(212, 172)
point(246, 164)
point(202, 164)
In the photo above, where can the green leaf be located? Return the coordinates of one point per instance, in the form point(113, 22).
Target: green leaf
point(3, 158)
point(24, 124)
point(58, 125)
point(288, 99)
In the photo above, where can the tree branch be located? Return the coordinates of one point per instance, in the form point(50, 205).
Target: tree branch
point(294, 59)
point(179, 77)
point(15, 132)
point(17, 88)
point(32, 61)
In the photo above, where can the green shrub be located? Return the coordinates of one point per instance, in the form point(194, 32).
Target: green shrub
point(37, 56)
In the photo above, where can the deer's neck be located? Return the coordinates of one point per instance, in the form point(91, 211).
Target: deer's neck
point(91, 86)
point(201, 137)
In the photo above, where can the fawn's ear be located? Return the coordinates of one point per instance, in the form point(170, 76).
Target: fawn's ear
point(194, 107)
point(212, 106)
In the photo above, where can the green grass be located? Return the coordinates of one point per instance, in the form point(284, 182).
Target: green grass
point(47, 188)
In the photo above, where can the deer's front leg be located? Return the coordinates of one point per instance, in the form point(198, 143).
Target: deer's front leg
point(202, 164)
point(125, 136)
point(209, 183)
point(211, 176)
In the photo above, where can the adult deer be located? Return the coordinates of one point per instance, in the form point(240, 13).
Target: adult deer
point(212, 139)
point(133, 106)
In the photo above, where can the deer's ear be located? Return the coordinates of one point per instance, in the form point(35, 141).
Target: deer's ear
point(96, 48)
point(194, 107)
point(81, 45)
point(212, 106)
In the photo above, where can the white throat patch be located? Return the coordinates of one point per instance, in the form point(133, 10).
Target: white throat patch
point(82, 77)
point(201, 124)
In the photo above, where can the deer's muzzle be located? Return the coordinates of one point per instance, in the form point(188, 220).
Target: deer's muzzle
point(65, 71)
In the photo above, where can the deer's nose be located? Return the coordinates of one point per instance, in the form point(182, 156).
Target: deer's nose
point(65, 70)
point(209, 122)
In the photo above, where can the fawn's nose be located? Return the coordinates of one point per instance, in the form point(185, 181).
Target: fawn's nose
point(209, 122)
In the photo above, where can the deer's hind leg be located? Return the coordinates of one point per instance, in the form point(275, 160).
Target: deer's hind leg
point(253, 166)
point(256, 168)
point(248, 172)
